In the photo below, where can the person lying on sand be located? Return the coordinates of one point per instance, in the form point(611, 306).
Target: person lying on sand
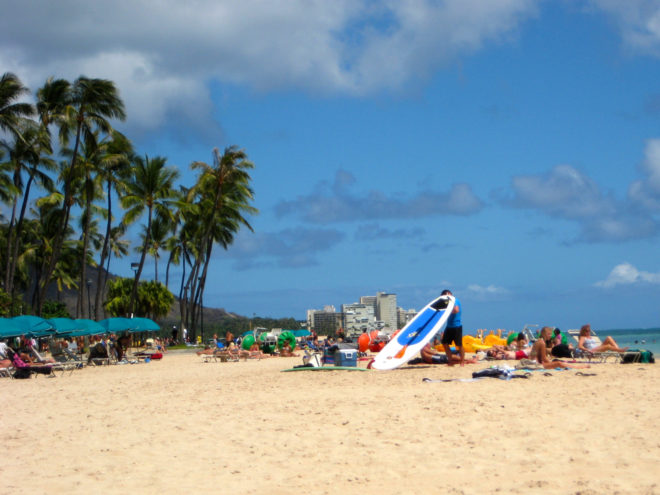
point(539, 353)
point(430, 355)
point(286, 351)
point(506, 354)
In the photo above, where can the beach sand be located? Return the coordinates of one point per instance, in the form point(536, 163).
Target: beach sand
point(245, 427)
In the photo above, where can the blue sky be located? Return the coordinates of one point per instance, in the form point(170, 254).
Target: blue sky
point(508, 150)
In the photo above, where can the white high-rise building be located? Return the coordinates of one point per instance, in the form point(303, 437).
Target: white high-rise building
point(358, 318)
point(386, 310)
point(404, 316)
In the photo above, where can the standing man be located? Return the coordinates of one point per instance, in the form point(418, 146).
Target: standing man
point(454, 330)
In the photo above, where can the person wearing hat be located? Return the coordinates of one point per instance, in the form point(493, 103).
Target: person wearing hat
point(454, 330)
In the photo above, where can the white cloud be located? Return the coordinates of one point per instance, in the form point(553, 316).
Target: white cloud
point(564, 192)
point(163, 54)
point(567, 193)
point(638, 21)
point(337, 203)
point(487, 292)
point(646, 192)
point(627, 274)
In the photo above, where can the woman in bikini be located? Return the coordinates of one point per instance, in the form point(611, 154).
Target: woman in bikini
point(588, 344)
point(539, 353)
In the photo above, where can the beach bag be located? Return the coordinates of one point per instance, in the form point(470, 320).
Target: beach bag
point(637, 356)
point(22, 373)
point(561, 351)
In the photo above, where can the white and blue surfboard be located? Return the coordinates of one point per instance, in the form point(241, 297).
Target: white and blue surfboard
point(416, 334)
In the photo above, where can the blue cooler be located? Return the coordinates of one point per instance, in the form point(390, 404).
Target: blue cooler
point(346, 357)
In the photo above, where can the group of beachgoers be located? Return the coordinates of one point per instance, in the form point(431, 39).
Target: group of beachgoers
point(232, 348)
point(26, 355)
point(547, 351)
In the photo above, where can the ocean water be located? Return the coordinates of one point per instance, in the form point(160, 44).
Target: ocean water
point(635, 338)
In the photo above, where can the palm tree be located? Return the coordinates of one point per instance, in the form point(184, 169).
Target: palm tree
point(223, 195)
point(48, 214)
point(27, 156)
point(53, 100)
point(11, 112)
point(84, 111)
point(160, 228)
point(151, 188)
point(97, 162)
point(114, 173)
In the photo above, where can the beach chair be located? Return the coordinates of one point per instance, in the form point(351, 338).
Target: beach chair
point(96, 355)
point(595, 357)
point(57, 352)
point(7, 372)
point(61, 366)
point(530, 330)
point(65, 360)
point(24, 370)
point(223, 355)
point(233, 355)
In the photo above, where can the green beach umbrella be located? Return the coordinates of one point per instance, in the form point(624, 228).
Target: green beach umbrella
point(144, 325)
point(9, 328)
point(33, 326)
point(75, 328)
point(117, 324)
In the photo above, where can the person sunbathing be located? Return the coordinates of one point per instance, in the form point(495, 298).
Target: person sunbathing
point(430, 355)
point(255, 352)
point(590, 345)
point(540, 353)
point(286, 351)
point(207, 350)
point(507, 354)
point(24, 369)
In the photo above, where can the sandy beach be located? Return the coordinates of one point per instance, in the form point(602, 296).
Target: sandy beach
point(245, 427)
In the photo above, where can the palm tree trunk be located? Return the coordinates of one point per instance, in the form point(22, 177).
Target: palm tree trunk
point(59, 239)
point(147, 239)
point(82, 289)
point(19, 226)
point(11, 232)
point(49, 265)
point(100, 278)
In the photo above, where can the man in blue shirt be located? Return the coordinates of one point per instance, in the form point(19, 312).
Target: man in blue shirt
point(454, 330)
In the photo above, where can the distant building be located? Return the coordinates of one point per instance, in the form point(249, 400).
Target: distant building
point(403, 316)
point(358, 318)
point(324, 322)
point(369, 301)
point(386, 310)
point(372, 312)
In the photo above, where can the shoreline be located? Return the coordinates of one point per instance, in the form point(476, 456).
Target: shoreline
point(246, 427)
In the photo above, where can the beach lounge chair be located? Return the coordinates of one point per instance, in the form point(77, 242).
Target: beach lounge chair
point(595, 357)
point(222, 354)
point(24, 370)
point(57, 352)
point(7, 372)
point(65, 360)
point(233, 354)
point(98, 355)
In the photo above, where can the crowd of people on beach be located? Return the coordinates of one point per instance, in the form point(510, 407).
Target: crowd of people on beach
point(26, 355)
point(549, 350)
